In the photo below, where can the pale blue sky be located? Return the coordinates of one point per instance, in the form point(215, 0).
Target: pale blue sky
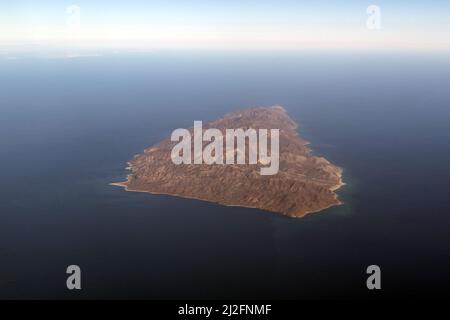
point(230, 24)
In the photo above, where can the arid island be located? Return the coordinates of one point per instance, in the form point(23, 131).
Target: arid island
point(303, 184)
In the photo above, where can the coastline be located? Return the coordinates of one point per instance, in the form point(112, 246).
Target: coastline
point(333, 189)
point(333, 199)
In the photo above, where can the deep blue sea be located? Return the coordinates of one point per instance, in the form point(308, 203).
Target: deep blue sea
point(68, 127)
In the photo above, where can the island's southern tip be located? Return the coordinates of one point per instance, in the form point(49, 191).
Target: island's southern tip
point(303, 184)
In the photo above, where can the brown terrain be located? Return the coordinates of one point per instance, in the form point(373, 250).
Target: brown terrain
point(304, 183)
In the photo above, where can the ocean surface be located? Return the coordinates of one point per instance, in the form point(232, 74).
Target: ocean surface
point(68, 127)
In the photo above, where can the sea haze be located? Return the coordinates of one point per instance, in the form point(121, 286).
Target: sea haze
point(68, 127)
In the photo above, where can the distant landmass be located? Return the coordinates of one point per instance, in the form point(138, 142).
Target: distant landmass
point(304, 183)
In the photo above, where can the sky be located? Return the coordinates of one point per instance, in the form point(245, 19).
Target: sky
point(226, 24)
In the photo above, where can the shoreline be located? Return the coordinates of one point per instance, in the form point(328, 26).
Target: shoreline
point(334, 201)
point(333, 189)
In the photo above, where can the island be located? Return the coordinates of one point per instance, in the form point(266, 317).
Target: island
point(304, 183)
